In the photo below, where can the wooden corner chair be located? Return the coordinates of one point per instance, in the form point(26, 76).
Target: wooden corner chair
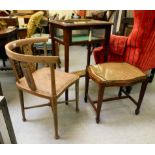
point(42, 81)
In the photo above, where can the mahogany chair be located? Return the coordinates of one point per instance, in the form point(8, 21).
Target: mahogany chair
point(128, 62)
point(45, 82)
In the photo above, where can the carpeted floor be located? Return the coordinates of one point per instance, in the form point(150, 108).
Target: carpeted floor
point(118, 123)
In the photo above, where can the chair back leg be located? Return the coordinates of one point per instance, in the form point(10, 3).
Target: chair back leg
point(152, 75)
point(120, 91)
point(77, 95)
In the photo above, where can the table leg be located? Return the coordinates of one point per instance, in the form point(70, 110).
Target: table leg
point(88, 54)
point(86, 76)
point(107, 38)
point(67, 39)
point(66, 68)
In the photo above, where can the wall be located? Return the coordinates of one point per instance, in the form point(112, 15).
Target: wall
point(61, 13)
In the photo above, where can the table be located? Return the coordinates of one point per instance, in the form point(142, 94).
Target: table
point(10, 20)
point(4, 108)
point(67, 39)
point(6, 36)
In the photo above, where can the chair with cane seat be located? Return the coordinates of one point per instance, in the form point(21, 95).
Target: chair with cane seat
point(129, 59)
point(45, 82)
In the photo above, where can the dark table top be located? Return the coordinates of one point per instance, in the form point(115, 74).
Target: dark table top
point(79, 22)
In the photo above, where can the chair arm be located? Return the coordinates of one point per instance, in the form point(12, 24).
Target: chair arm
point(118, 44)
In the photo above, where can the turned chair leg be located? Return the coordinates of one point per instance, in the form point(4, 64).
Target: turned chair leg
point(55, 117)
point(77, 95)
point(99, 103)
point(21, 97)
point(141, 95)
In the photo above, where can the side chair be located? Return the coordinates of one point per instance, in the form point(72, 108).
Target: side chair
point(42, 81)
point(128, 62)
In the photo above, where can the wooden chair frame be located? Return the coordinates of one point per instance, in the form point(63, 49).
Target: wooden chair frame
point(51, 61)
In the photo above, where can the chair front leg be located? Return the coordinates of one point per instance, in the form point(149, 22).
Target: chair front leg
point(99, 103)
point(141, 95)
point(21, 97)
point(55, 116)
point(77, 95)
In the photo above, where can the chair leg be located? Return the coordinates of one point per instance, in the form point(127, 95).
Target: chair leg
point(21, 97)
point(77, 95)
point(57, 45)
point(120, 92)
point(128, 89)
point(1, 92)
point(45, 49)
point(86, 87)
point(1, 139)
point(99, 103)
point(59, 63)
point(55, 117)
point(66, 96)
point(8, 122)
point(141, 95)
point(151, 77)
